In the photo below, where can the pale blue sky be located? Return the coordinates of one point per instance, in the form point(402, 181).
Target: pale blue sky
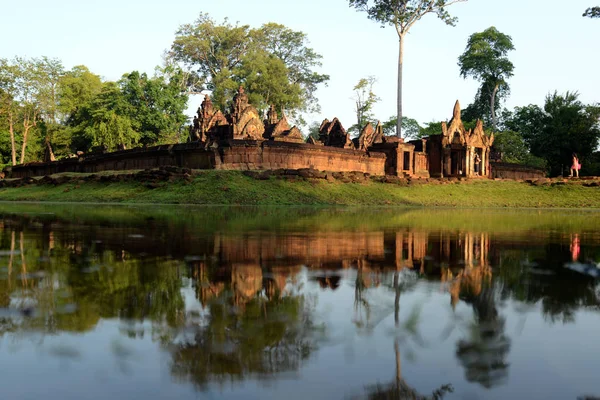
point(556, 48)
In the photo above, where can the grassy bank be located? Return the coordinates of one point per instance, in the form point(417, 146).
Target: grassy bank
point(234, 188)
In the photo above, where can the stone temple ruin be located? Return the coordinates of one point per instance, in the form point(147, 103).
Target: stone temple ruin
point(453, 153)
point(242, 140)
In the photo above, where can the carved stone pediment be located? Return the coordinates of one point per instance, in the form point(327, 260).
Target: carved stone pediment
point(311, 140)
point(455, 134)
point(332, 133)
point(280, 127)
point(292, 135)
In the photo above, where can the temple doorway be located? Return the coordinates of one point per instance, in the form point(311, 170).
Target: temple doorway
point(406, 163)
point(457, 158)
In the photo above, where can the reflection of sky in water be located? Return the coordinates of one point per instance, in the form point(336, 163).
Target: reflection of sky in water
point(547, 355)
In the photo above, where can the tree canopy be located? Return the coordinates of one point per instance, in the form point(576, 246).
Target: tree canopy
point(364, 99)
point(273, 62)
point(485, 59)
point(136, 109)
point(564, 126)
point(402, 15)
point(592, 12)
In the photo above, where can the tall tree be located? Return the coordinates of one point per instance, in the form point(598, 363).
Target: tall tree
point(105, 121)
point(364, 99)
point(402, 15)
point(592, 12)
point(48, 73)
point(155, 105)
point(485, 60)
point(76, 88)
point(273, 62)
point(8, 103)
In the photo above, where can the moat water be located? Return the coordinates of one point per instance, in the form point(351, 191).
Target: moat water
point(145, 302)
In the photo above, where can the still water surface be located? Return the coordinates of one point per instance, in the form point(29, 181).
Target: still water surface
point(102, 302)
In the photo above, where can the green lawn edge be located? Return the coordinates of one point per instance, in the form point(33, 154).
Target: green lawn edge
point(235, 188)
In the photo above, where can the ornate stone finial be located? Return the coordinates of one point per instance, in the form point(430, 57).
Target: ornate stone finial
point(272, 115)
point(206, 107)
point(365, 139)
point(456, 113)
point(240, 102)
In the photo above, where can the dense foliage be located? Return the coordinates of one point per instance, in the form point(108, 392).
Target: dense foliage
point(562, 127)
point(485, 60)
point(592, 12)
point(273, 63)
point(47, 112)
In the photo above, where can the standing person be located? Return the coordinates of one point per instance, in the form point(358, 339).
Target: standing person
point(575, 166)
point(477, 162)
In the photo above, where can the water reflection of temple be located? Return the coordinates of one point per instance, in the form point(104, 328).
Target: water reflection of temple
point(264, 262)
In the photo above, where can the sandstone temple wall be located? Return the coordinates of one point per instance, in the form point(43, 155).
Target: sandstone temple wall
point(236, 155)
point(515, 171)
point(275, 155)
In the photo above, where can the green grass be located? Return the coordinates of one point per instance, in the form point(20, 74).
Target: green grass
point(234, 188)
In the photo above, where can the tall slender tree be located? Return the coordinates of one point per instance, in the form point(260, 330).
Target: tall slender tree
point(485, 60)
point(364, 100)
point(8, 103)
point(402, 15)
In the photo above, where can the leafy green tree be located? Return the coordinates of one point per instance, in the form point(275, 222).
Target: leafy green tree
point(105, 121)
point(592, 12)
point(412, 129)
point(48, 75)
point(154, 105)
point(431, 128)
point(136, 109)
point(273, 62)
point(485, 60)
point(28, 98)
point(564, 126)
point(291, 47)
point(8, 104)
point(364, 100)
point(313, 130)
point(514, 149)
point(402, 15)
point(76, 88)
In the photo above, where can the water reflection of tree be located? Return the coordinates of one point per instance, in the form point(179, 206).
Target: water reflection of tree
point(402, 282)
point(483, 352)
point(543, 279)
point(245, 335)
point(54, 284)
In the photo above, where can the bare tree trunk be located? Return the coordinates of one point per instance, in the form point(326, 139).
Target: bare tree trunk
point(26, 127)
point(400, 61)
point(23, 264)
point(48, 153)
point(25, 132)
point(11, 129)
point(11, 256)
point(398, 362)
point(493, 106)
point(397, 298)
